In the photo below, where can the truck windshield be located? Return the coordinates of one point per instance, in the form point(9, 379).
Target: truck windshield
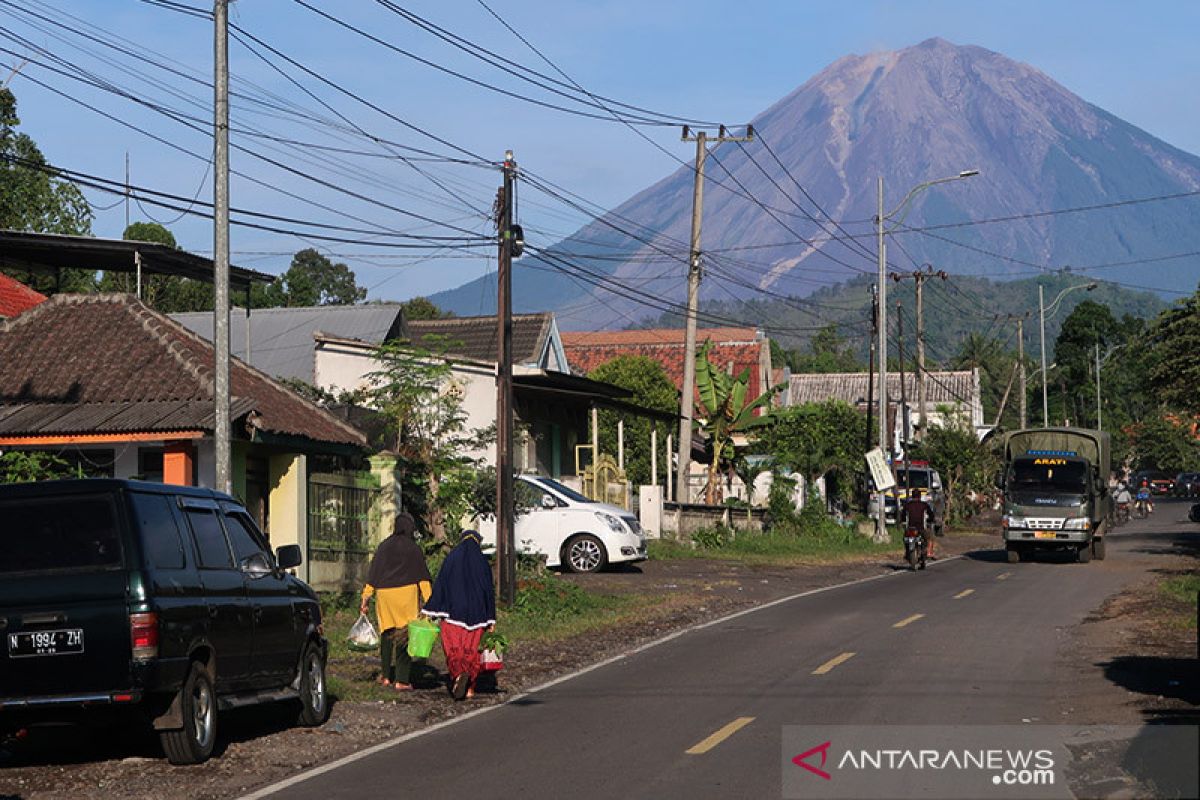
point(1049, 475)
point(59, 533)
point(912, 479)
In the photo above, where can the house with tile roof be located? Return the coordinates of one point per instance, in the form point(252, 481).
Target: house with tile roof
point(947, 393)
point(16, 297)
point(734, 349)
point(552, 406)
point(123, 391)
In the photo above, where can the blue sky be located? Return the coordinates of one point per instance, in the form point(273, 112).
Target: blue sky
point(718, 61)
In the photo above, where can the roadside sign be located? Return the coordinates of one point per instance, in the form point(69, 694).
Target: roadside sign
point(881, 474)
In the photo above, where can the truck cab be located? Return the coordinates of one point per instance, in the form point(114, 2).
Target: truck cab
point(1055, 495)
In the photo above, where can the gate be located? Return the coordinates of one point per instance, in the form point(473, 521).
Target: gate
point(339, 526)
point(603, 480)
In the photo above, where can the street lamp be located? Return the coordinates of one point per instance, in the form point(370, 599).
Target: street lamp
point(1042, 309)
point(880, 219)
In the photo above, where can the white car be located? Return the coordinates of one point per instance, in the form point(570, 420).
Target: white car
point(571, 530)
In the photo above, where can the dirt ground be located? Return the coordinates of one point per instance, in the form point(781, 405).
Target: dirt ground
point(258, 746)
point(1156, 680)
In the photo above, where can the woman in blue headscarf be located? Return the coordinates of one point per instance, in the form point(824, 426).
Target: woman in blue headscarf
point(464, 599)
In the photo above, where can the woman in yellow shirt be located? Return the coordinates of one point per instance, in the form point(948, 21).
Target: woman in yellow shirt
point(399, 580)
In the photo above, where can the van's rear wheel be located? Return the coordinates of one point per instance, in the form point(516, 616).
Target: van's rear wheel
point(193, 743)
point(585, 553)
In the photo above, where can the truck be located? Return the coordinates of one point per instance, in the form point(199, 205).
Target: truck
point(1056, 497)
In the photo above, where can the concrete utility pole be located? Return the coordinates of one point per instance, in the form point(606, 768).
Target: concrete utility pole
point(506, 557)
point(919, 277)
point(1021, 366)
point(687, 397)
point(903, 396)
point(1099, 413)
point(222, 423)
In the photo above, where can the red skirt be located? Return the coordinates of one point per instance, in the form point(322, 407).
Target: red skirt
point(462, 650)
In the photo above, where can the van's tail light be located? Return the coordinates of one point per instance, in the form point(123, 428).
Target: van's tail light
point(143, 635)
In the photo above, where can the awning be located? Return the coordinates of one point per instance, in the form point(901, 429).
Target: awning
point(45, 252)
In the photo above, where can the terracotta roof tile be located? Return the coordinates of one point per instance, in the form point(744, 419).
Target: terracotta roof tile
point(16, 297)
point(111, 351)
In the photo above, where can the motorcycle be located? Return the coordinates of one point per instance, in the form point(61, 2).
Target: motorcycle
point(1142, 506)
point(916, 549)
point(1121, 513)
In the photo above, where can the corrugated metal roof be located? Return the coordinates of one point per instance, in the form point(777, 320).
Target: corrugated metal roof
point(44, 419)
point(281, 339)
point(474, 338)
point(958, 386)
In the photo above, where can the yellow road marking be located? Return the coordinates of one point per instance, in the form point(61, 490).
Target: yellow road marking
point(833, 662)
point(908, 620)
point(963, 594)
point(1003, 576)
point(721, 735)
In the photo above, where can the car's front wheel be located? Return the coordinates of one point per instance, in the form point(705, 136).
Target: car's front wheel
point(584, 553)
point(314, 696)
point(193, 743)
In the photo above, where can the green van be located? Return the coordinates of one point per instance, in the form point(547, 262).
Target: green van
point(158, 604)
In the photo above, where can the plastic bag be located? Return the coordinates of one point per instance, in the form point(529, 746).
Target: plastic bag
point(363, 635)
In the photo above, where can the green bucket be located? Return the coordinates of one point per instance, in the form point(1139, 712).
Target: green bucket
point(422, 636)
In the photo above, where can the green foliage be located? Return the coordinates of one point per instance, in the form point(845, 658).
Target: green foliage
point(1174, 355)
point(420, 308)
point(494, 641)
point(1162, 441)
point(652, 389)
point(828, 351)
point(780, 505)
point(965, 464)
point(712, 538)
point(550, 598)
point(311, 280)
point(415, 390)
point(33, 198)
point(816, 538)
point(169, 294)
point(726, 409)
point(27, 467)
point(816, 439)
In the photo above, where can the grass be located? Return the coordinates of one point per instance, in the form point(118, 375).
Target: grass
point(805, 541)
point(1183, 587)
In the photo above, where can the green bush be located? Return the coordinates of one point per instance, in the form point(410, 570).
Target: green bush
point(712, 538)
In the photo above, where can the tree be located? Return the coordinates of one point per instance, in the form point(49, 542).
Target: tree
point(817, 439)
point(652, 389)
point(725, 411)
point(420, 308)
point(828, 352)
point(168, 294)
point(1166, 442)
point(19, 467)
point(33, 198)
point(995, 365)
point(966, 465)
point(414, 389)
point(311, 280)
point(1173, 355)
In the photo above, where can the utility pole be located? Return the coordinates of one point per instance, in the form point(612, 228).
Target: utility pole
point(903, 398)
point(1099, 413)
point(687, 397)
point(1021, 360)
point(919, 277)
point(871, 367)
point(222, 422)
point(881, 532)
point(506, 560)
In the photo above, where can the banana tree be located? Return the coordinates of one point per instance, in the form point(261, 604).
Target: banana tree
point(725, 411)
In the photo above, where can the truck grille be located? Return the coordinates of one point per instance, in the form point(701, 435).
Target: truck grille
point(1048, 524)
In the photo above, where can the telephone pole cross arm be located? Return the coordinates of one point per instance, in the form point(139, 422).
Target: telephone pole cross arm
point(687, 397)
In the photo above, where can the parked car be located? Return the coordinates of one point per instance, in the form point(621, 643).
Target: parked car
point(1187, 484)
point(146, 603)
point(571, 530)
point(1160, 482)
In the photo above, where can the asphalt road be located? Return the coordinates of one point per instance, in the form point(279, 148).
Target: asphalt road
point(972, 640)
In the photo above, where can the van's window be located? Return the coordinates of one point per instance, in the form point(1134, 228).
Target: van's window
point(245, 543)
point(912, 478)
point(1049, 475)
point(59, 533)
point(160, 532)
point(211, 547)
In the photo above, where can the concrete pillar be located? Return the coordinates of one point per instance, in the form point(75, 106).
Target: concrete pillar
point(387, 502)
point(650, 510)
point(288, 502)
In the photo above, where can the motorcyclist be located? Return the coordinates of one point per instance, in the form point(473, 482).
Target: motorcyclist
point(917, 515)
point(1144, 495)
point(1123, 498)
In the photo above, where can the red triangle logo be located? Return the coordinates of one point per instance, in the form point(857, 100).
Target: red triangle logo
point(823, 749)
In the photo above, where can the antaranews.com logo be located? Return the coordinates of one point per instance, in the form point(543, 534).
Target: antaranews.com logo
point(1020, 767)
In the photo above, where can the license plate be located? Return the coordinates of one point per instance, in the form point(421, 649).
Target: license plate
point(45, 643)
point(1043, 534)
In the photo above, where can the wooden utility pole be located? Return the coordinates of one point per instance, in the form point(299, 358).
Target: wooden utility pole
point(904, 433)
point(1021, 392)
point(687, 397)
point(506, 560)
point(871, 368)
point(221, 417)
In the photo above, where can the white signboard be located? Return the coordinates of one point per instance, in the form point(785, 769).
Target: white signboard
point(881, 473)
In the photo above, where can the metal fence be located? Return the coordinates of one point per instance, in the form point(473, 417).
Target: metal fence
point(339, 516)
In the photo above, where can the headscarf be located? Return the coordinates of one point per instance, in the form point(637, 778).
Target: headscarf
point(463, 593)
point(398, 561)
